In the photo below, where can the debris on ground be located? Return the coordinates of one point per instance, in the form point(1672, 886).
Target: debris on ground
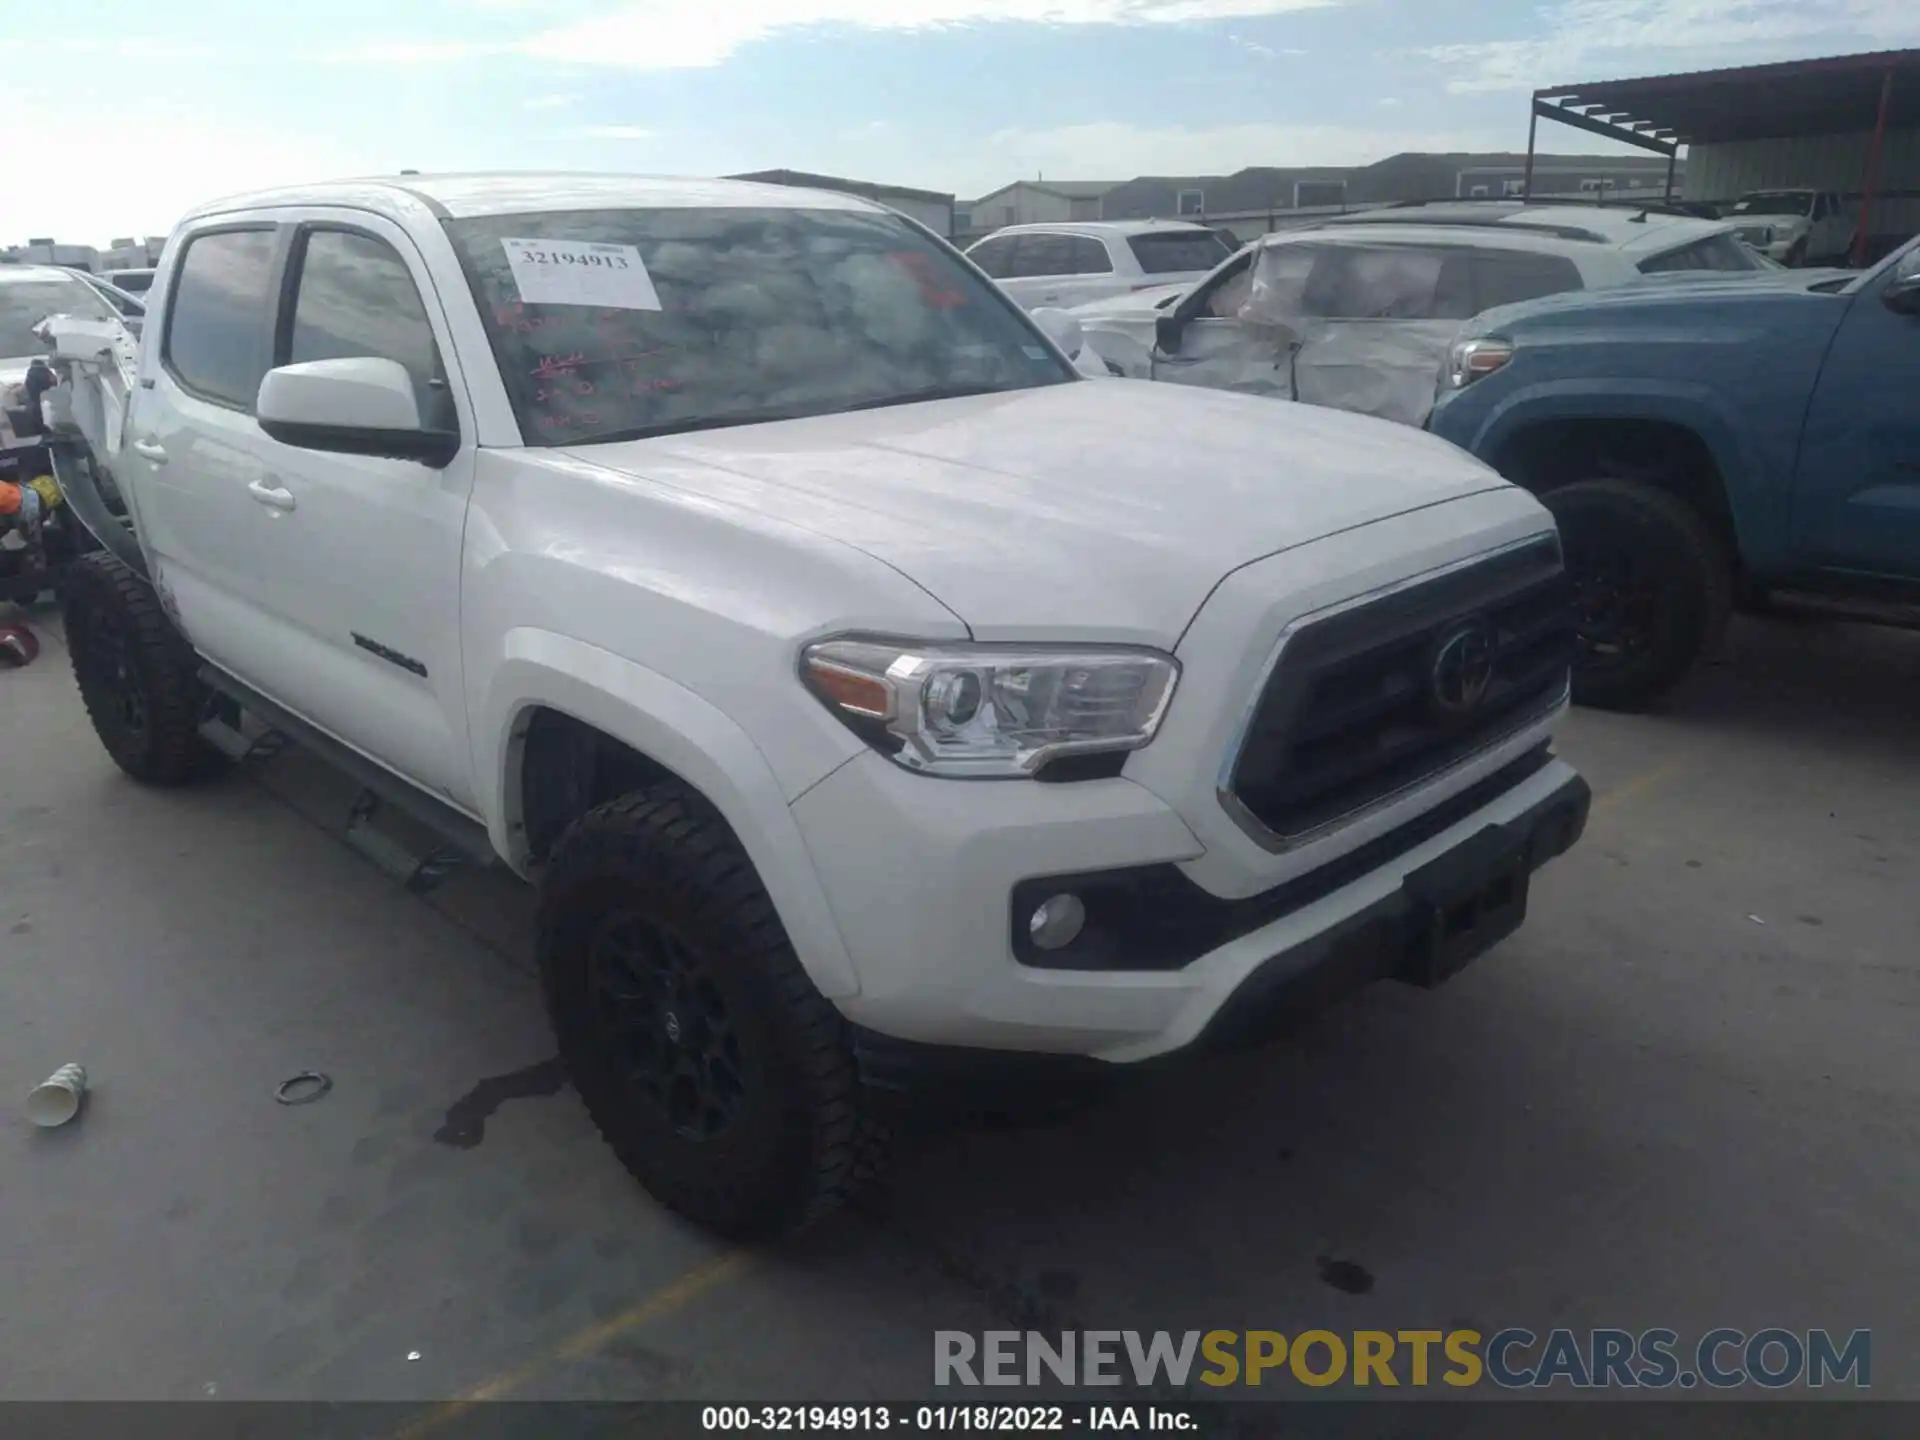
point(303, 1089)
point(18, 646)
point(56, 1099)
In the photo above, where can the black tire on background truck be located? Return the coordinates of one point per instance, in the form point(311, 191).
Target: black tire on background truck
point(724, 1081)
point(138, 677)
point(1653, 585)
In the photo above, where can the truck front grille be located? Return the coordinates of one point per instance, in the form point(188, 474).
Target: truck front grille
point(1377, 698)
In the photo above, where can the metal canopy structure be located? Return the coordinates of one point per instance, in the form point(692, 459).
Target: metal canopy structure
point(1844, 94)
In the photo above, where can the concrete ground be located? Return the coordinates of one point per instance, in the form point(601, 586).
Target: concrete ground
point(1687, 1094)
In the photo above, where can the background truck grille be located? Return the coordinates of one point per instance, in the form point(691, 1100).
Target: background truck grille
point(1375, 699)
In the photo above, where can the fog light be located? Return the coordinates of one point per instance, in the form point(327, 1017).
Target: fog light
point(1057, 922)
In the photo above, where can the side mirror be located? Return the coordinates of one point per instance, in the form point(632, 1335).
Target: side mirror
point(361, 406)
point(1062, 329)
point(1902, 294)
point(1166, 334)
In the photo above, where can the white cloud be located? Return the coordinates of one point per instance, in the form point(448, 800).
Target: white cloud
point(414, 52)
point(549, 102)
point(670, 35)
point(185, 159)
point(1585, 38)
point(614, 132)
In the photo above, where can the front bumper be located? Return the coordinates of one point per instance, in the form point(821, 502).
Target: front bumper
point(920, 872)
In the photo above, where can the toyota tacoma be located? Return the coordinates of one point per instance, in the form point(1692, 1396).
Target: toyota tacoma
point(860, 685)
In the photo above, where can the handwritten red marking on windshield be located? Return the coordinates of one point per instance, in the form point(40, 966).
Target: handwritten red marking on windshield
point(514, 317)
point(934, 289)
point(553, 367)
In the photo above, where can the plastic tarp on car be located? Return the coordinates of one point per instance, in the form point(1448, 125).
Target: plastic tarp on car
point(1346, 326)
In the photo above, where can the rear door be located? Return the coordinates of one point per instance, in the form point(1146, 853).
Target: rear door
point(1091, 274)
point(194, 453)
point(1856, 499)
point(363, 554)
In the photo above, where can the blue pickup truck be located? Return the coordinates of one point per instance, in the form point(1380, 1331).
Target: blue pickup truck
point(1706, 445)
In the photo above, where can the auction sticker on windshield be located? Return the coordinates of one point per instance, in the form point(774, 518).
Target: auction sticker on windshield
point(580, 272)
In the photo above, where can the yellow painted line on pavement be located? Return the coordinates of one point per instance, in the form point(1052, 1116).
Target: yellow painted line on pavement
point(1639, 785)
point(663, 1302)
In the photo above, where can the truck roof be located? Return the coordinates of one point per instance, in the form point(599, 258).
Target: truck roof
point(512, 192)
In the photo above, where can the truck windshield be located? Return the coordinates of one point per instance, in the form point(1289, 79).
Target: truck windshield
point(25, 303)
point(1785, 204)
point(619, 324)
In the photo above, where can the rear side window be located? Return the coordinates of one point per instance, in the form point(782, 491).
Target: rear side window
point(1505, 277)
point(1043, 255)
point(995, 257)
point(1169, 252)
point(1089, 256)
point(1716, 252)
point(217, 327)
point(356, 298)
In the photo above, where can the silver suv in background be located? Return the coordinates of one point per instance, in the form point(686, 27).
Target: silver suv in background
point(1066, 265)
point(1358, 312)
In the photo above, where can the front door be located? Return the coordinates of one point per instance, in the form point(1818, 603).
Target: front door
point(1856, 500)
point(365, 553)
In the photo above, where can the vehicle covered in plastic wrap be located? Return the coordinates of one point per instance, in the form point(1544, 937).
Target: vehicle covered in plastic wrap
point(1360, 314)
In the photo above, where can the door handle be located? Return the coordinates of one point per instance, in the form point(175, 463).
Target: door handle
point(151, 451)
point(272, 498)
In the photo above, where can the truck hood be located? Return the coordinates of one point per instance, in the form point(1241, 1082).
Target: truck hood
point(1680, 296)
point(1103, 510)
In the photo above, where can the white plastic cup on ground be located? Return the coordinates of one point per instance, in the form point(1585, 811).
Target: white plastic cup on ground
point(56, 1099)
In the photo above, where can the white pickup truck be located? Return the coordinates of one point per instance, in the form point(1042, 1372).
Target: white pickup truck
point(860, 685)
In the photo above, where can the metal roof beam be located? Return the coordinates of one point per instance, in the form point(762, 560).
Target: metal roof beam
point(1625, 136)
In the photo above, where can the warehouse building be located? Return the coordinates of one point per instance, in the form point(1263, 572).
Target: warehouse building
point(1849, 124)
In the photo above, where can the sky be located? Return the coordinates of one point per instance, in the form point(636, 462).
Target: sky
point(146, 109)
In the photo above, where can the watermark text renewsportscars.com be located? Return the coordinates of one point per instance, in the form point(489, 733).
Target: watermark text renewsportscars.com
point(1771, 1358)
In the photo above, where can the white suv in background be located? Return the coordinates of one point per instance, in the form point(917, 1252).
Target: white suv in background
point(1357, 312)
point(1073, 264)
point(1795, 227)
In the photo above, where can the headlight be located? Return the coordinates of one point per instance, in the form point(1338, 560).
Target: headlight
point(1469, 360)
point(988, 711)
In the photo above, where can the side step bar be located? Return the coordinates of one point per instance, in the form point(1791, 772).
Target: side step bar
point(451, 840)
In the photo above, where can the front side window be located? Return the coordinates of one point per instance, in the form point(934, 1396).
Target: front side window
point(1716, 252)
point(25, 303)
point(216, 342)
point(1787, 203)
point(356, 298)
point(1363, 282)
point(716, 317)
point(1171, 252)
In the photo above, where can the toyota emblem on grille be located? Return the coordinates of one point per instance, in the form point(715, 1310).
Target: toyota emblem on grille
point(1462, 671)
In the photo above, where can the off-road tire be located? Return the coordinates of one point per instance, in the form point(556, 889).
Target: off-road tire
point(807, 1134)
point(127, 659)
point(1678, 558)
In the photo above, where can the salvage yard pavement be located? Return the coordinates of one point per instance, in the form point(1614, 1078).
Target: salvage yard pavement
point(1686, 1094)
